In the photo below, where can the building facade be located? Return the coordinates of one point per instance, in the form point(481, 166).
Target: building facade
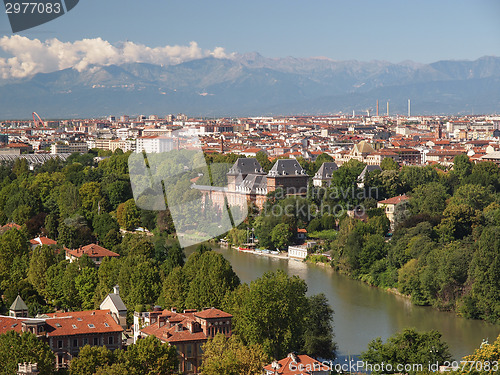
point(247, 182)
point(65, 333)
point(187, 330)
point(69, 147)
point(95, 252)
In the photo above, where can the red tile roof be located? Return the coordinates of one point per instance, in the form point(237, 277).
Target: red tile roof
point(395, 200)
point(302, 365)
point(82, 322)
point(175, 329)
point(173, 334)
point(18, 145)
point(11, 226)
point(252, 150)
point(43, 241)
point(212, 313)
point(10, 324)
point(70, 323)
point(93, 251)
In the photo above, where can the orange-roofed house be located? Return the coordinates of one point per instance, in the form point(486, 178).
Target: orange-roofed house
point(95, 252)
point(188, 331)
point(40, 241)
point(389, 205)
point(66, 333)
point(296, 364)
point(252, 152)
point(9, 226)
point(301, 233)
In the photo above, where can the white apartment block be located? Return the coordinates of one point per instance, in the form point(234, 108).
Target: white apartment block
point(69, 147)
point(152, 144)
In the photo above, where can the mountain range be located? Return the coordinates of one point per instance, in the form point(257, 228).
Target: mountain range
point(250, 84)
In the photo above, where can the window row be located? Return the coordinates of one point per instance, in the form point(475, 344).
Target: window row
point(85, 341)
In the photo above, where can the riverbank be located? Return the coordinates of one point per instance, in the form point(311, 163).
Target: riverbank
point(362, 312)
point(255, 252)
point(393, 291)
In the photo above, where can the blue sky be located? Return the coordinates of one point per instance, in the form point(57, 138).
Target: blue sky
point(422, 31)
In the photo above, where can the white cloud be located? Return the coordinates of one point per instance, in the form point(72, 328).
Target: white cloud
point(31, 56)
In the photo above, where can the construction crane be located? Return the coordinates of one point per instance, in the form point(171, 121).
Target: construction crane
point(38, 122)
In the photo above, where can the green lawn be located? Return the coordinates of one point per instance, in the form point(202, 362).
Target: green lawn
point(329, 234)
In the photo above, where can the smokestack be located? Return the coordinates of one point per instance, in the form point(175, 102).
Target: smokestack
point(377, 107)
point(409, 108)
point(387, 108)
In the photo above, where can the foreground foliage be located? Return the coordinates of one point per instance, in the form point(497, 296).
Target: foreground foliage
point(26, 347)
point(228, 356)
point(147, 357)
point(408, 348)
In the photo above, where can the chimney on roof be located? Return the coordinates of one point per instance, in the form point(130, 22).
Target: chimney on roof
point(293, 357)
point(116, 289)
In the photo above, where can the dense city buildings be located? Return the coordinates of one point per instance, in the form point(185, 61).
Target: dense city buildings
point(264, 155)
point(416, 140)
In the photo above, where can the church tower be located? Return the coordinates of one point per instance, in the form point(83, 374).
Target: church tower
point(18, 309)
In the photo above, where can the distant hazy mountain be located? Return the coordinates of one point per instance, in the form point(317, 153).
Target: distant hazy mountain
point(251, 84)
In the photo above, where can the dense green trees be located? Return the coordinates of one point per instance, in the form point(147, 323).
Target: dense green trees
point(388, 164)
point(204, 281)
point(26, 347)
point(229, 356)
point(273, 311)
point(359, 245)
point(462, 167)
point(89, 359)
point(443, 246)
point(13, 253)
point(485, 276)
point(128, 215)
point(318, 333)
point(282, 235)
point(429, 198)
point(148, 356)
point(76, 203)
point(42, 258)
point(407, 348)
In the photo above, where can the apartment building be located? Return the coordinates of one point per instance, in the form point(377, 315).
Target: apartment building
point(69, 147)
point(187, 330)
point(65, 333)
